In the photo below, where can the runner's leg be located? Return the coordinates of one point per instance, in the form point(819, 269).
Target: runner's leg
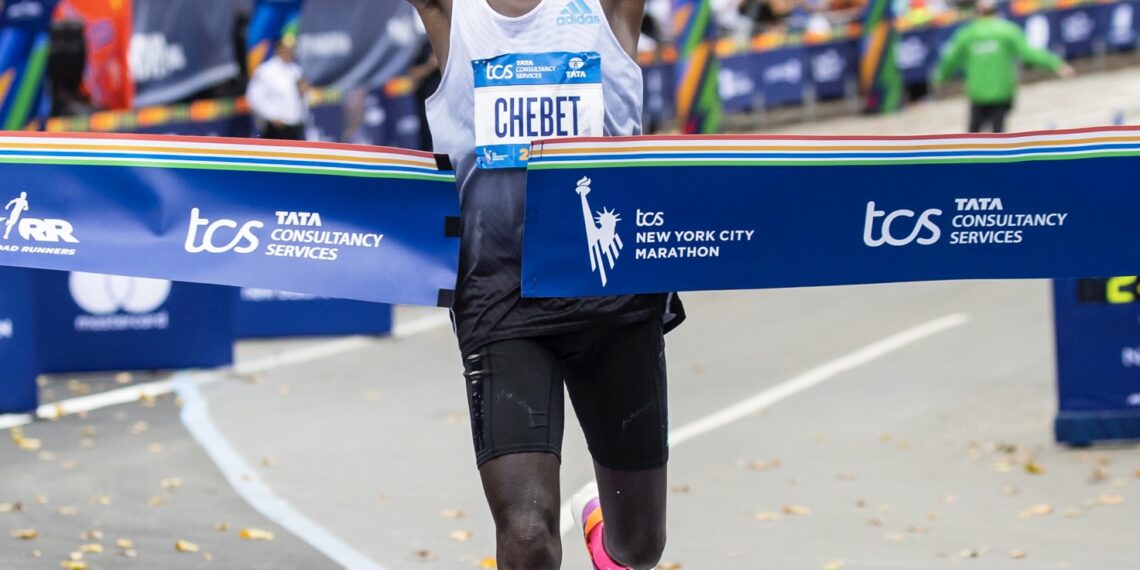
point(514, 393)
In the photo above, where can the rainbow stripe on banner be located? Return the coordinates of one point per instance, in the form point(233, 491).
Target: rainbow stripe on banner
point(341, 221)
point(651, 214)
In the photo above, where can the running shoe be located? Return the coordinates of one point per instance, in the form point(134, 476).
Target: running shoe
point(588, 509)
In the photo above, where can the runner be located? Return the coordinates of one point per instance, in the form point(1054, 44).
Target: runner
point(18, 206)
point(513, 71)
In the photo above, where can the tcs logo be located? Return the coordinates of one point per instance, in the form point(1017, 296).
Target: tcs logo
point(889, 237)
point(500, 71)
point(217, 237)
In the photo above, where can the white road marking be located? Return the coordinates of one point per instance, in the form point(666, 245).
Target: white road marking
point(249, 484)
point(795, 385)
point(317, 351)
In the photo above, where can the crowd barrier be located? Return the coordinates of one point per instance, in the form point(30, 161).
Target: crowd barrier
point(18, 368)
point(1098, 359)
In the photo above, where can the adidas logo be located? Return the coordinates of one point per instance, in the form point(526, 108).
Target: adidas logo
point(577, 12)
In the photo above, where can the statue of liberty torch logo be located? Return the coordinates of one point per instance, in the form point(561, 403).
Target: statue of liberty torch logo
point(601, 233)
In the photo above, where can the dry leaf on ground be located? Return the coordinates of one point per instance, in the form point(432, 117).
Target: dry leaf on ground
point(125, 544)
point(452, 514)
point(460, 535)
point(1034, 468)
point(25, 534)
point(1017, 554)
point(92, 548)
point(768, 517)
point(488, 562)
point(669, 566)
point(798, 510)
point(255, 534)
point(1036, 511)
point(185, 546)
point(833, 565)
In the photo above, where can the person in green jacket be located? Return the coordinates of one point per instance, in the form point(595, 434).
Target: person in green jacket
point(989, 49)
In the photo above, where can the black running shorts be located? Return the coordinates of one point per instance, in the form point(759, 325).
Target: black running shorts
point(616, 380)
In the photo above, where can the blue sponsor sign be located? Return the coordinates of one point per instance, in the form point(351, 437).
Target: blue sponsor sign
point(1098, 359)
point(18, 391)
point(334, 220)
point(1078, 28)
point(1120, 23)
point(783, 75)
point(832, 66)
point(638, 215)
point(737, 83)
point(264, 313)
point(94, 322)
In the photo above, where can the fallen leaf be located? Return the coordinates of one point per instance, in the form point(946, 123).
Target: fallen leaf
point(669, 566)
point(1110, 499)
point(932, 515)
point(798, 510)
point(25, 534)
point(125, 544)
point(130, 553)
point(73, 565)
point(1034, 468)
point(426, 555)
point(1074, 513)
point(42, 499)
point(221, 527)
point(37, 553)
point(833, 565)
point(1017, 554)
point(460, 535)
point(154, 447)
point(185, 546)
point(138, 428)
point(874, 521)
point(488, 562)
point(92, 548)
point(170, 483)
point(268, 462)
point(684, 488)
point(92, 535)
point(68, 511)
point(284, 390)
point(768, 517)
point(69, 464)
point(86, 443)
point(255, 534)
point(1036, 511)
point(46, 456)
point(452, 514)
point(969, 553)
point(123, 378)
point(87, 431)
point(101, 500)
point(1137, 473)
point(156, 501)
point(1099, 475)
point(1003, 466)
point(894, 536)
point(11, 507)
point(207, 556)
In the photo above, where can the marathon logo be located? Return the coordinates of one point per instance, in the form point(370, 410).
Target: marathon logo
point(577, 12)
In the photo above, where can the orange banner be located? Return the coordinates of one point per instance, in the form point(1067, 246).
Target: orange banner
point(107, 29)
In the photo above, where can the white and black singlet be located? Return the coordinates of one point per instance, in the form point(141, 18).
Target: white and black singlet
point(556, 71)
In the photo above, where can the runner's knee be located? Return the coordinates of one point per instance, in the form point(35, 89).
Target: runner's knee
point(638, 547)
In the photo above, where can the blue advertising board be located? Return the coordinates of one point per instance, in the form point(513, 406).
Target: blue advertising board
point(1098, 359)
point(638, 215)
point(782, 75)
point(18, 369)
point(1120, 24)
point(95, 322)
point(832, 67)
point(264, 313)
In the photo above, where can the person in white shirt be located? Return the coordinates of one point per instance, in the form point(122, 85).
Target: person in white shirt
point(276, 94)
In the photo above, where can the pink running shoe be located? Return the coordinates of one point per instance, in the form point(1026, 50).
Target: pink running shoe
point(588, 509)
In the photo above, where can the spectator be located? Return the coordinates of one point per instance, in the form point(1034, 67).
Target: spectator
point(989, 48)
point(276, 94)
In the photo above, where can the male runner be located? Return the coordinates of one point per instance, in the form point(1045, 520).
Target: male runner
point(513, 71)
point(17, 206)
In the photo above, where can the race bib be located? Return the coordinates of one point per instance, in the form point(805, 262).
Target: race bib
point(526, 96)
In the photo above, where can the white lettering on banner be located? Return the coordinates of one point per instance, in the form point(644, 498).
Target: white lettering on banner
point(326, 44)
point(1130, 357)
point(152, 58)
point(790, 71)
point(24, 10)
point(912, 52)
point(46, 230)
point(1133, 399)
point(1076, 27)
point(924, 222)
point(6, 329)
point(255, 295)
point(827, 66)
point(244, 236)
point(649, 219)
point(1005, 227)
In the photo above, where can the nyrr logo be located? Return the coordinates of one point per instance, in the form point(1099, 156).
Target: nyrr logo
point(6, 329)
point(577, 12)
point(887, 234)
point(34, 229)
point(115, 303)
point(243, 240)
point(602, 240)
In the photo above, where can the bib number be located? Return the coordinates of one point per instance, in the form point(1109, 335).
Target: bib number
point(523, 97)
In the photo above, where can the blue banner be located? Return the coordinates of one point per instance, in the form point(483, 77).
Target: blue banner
point(1098, 359)
point(782, 75)
point(180, 47)
point(347, 44)
point(263, 313)
point(339, 221)
point(17, 342)
point(93, 322)
point(637, 215)
point(832, 68)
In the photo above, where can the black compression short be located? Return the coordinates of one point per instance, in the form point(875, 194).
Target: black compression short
point(616, 380)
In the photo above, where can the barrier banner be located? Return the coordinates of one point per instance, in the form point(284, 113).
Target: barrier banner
point(180, 47)
point(782, 75)
point(832, 68)
point(18, 392)
point(93, 322)
point(24, 47)
point(641, 214)
point(271, 20)
point(1121, 24)
point(1098, 359)
point(334, 220)
point(264, 313)
point(345, 44)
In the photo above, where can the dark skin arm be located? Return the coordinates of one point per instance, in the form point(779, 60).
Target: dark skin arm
point(624, 17)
